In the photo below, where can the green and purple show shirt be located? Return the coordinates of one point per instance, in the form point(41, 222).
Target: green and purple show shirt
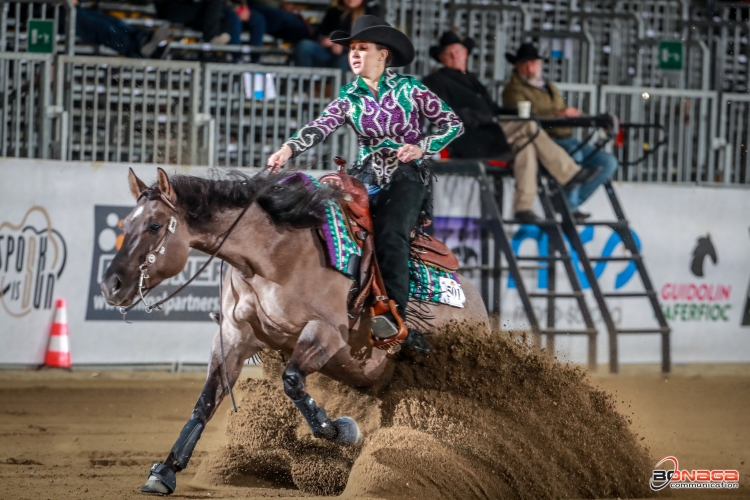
point(383, 125)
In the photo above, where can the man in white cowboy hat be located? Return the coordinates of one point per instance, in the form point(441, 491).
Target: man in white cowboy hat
point(485, 138)
point(526, 84)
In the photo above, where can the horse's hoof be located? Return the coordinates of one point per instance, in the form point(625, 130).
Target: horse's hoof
point(416, 341)
point(161, 480)
point(349, 433)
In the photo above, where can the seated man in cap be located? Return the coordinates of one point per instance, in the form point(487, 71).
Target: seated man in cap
point(527, 84)
point(484, 138)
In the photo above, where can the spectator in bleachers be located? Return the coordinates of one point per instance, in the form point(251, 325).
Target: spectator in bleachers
point(527, 84)
point(98, 28)
point(211, 17)
point(323, 53)
point(485, 138)
point(279, 19)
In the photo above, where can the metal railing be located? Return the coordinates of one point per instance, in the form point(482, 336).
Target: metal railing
point(254, 109)
point(14, 16)
point(24, 99)
point(569, 55)
point(129, 110)
point(734, 139)
point(496, 29)
point(689, 119)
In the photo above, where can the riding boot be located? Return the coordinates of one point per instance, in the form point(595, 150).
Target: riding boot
point(395, 210)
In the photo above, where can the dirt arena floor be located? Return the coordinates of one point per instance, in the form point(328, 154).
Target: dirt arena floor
point(93, 435)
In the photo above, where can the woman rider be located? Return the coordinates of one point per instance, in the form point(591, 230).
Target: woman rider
point(386, 111)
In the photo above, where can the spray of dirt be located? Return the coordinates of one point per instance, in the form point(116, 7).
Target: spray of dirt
point(482, 416)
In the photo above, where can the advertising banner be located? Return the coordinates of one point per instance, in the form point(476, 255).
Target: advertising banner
point(60, 226)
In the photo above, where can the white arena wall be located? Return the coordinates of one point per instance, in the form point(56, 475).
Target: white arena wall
point(58, 228)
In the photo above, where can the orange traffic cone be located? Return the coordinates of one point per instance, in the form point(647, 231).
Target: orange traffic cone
point(58, 349)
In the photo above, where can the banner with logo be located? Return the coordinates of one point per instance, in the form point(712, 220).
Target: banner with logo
point(60, 226)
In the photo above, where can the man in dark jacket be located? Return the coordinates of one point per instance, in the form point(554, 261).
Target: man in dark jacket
point(485, 138)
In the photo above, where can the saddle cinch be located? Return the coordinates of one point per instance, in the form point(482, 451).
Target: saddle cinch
point(369, 288)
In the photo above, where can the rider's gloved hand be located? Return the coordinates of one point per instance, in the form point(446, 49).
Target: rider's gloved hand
point(279, 158)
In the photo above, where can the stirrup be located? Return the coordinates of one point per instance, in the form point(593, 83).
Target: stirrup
point(391, 343)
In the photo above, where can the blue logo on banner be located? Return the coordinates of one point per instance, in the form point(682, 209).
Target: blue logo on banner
point(527, 232)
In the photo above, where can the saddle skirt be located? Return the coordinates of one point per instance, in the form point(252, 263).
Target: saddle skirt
point(432, 267)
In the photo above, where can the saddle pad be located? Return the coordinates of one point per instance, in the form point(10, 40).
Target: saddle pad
point(427, 283)
point(340, 244)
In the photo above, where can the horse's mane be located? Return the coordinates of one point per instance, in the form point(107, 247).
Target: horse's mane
point(284, 196)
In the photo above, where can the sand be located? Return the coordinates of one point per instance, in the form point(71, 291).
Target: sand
point(472, 421)
point(481, 417)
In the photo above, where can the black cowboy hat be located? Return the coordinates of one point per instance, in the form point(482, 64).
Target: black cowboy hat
point(449, 38)
point(526, 52)
point(375, 30)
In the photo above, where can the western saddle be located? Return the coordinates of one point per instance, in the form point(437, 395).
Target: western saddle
point(368, 289)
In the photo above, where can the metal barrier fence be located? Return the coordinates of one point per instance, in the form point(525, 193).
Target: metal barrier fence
point(125, 110)
point(15, 14)
point(24, 97)
point(734, 139)
point(129, 110)
point(496, 29)
point(254, 109)
point(568, 55)
point(689, 118)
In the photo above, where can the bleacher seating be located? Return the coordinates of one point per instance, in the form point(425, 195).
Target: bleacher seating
point(605, 51)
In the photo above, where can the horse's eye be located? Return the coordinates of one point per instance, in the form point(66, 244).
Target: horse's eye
point(154, 228)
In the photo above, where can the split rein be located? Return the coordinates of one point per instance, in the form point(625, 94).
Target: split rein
point(160, 249)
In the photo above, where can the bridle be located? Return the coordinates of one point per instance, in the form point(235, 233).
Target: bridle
point(151, 257)
point(160, 249)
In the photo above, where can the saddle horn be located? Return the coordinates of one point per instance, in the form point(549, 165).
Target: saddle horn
point(341, 163)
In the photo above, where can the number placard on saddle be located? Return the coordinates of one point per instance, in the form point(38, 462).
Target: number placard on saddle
point(451, 292)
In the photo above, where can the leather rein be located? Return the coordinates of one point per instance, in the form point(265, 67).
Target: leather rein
point(160, 249)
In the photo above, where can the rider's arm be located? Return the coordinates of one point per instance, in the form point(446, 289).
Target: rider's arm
point(449, 125)
point(317, 130)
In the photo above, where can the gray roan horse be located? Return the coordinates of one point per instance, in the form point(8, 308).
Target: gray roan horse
point(278, 292)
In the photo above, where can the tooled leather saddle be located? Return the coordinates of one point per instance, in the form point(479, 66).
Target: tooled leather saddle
point(369, 289)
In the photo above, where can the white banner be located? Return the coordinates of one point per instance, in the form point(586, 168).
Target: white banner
point(696, 245)
point(59, 226)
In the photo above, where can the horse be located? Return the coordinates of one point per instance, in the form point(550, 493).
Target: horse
point(278, 292)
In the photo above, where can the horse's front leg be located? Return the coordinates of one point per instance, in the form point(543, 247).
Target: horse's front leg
point(317, 344)
point(162, 476)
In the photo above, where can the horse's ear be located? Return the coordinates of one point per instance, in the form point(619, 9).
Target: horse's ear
point(164, 186)
point(137, 186)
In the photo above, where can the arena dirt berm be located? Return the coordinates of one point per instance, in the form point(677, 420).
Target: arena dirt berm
point(482, 416)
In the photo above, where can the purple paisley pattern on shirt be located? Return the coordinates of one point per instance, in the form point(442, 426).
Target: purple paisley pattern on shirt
point(384, 126)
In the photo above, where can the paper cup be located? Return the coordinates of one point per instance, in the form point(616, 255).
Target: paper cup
point(524, 109)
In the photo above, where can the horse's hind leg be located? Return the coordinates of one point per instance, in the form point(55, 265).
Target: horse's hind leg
point(315, 347)
point(162, 478)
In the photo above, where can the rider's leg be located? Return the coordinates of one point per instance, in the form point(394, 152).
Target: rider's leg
point(162, 478)
point(316, 345)
point(395, 213)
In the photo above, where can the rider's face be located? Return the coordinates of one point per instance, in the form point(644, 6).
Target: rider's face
point(365, 59)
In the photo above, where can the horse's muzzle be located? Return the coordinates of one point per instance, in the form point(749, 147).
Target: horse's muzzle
point(114, 292)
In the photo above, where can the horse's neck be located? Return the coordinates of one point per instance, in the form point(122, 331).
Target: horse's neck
point(252, 246)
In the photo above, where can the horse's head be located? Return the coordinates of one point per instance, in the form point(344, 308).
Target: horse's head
point(155, 240)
